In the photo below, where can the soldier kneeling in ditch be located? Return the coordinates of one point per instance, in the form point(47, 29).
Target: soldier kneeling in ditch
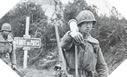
point(7, 52)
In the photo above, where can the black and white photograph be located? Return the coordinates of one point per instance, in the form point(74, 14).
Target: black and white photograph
point(64, 38)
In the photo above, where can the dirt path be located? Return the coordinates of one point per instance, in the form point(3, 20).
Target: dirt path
point(39, 73)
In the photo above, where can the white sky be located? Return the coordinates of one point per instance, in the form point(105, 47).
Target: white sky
point(121, 6)
point(103, 6)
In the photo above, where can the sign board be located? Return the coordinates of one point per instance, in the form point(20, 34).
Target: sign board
point(30, 42)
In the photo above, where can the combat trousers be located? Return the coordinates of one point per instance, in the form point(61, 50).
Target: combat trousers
point(84, 73)
point(5, 57)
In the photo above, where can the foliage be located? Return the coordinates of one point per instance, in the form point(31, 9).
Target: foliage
point(39, 28)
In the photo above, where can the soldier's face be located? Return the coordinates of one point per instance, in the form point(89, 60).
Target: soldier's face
point(86, 27)
point(5, 33)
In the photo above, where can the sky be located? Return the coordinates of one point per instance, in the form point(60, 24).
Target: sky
point(121, 5)
point(103, 6)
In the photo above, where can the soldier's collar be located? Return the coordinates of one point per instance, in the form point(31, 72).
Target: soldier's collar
point(92, 40)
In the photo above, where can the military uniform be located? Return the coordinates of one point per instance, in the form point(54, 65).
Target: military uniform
point(6, 50)
point(90, 56)
point(91, 62)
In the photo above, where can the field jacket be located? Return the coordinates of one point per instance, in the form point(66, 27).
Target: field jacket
point(7, 52)
point(90, 57)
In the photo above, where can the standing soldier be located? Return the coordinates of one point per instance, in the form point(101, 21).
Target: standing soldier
point(90, 59)
point(7, 52)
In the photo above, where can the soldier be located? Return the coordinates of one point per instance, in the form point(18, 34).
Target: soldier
point(7, 52)
point(91, 62)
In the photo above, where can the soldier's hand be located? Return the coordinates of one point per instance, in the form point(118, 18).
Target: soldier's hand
point(77, 36)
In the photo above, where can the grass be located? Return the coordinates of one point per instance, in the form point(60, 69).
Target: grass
point(32, 72)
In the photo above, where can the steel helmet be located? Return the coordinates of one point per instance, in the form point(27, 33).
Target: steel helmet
point(85, 16)
point(58, 66)
point(6, 27)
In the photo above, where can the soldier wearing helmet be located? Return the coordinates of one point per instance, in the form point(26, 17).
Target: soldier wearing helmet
point(91, 62)
point(7, 52)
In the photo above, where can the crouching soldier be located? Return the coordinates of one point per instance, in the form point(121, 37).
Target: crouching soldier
point(7, 52)
point(91, 62)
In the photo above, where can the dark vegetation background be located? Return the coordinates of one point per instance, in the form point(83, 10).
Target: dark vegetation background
point(110, 31)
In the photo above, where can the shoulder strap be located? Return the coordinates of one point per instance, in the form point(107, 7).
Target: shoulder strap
point(92, 40)
point(95, 46)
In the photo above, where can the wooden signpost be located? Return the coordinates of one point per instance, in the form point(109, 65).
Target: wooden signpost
point(27, 42)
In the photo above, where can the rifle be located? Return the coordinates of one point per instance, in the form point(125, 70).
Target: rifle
point(61, 57)
point(56, 20)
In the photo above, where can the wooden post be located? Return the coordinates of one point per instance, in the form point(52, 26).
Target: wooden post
point(27, 26)
point(27, 42)
point(26, 36)
point(25, 58)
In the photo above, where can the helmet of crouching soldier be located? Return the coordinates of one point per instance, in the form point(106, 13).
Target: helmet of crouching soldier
point(6, 27)
point(85, 16)
point(57, 67)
